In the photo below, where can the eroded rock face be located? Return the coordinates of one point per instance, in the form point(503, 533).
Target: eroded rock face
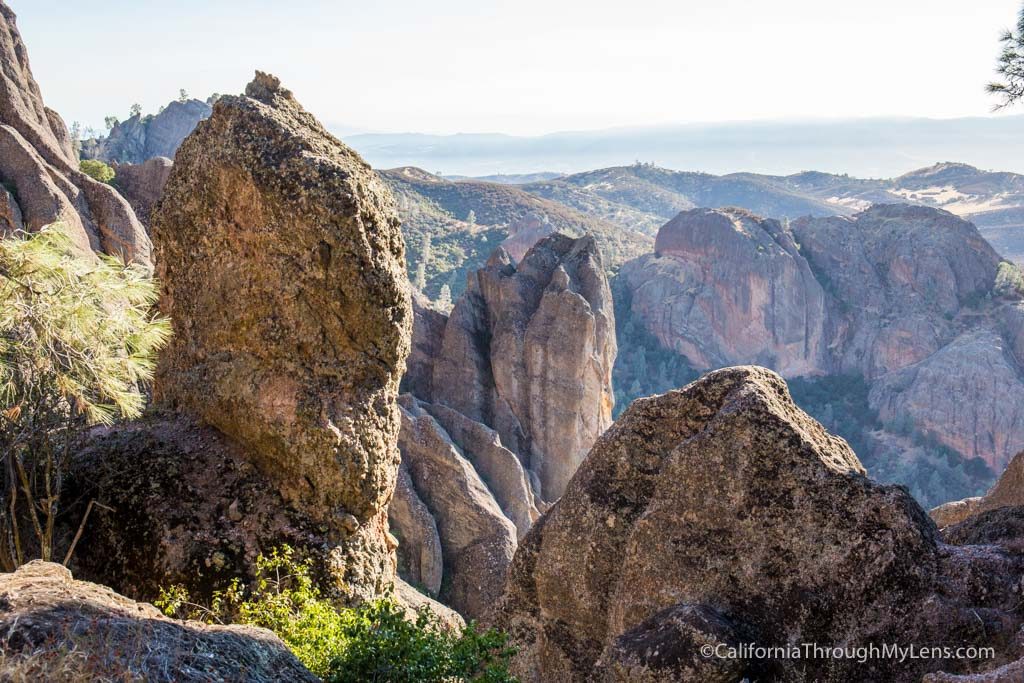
point(528, 351)
point(722, 513)
point(477, 539)
point(143, 184)
point(899, 275)
point(45, 613)
point(40, 167)
point(899, 303)
point(969, 394)
point(506, 394)
point(427, 335)
point(725, 286)
point(420, 560)
point(283, 271)
point(1007, 492)
point(142, 138)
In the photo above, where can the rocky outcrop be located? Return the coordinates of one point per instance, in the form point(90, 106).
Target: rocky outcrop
point(427, 335)
point(143, 184)
point(725, 287)
point(1007, 492)
point(282, 266)
point(420, 560)
point(10, 214)
point(900, 300)
point(461, 502)
point(506, 395)
point(477, 539)
point(524, 233)
point(898, 275)
point(969, 395)
point(528, 351)
point(722, 514)
point(498, 467)
point(141, 138)
point(39, 169)
point(283, 271)
point(55, 628)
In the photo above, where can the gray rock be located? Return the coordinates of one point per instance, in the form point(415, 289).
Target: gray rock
point(477, 540)
point(528, 351)
point(45, 614)
point(420, 560)
point(725, 495)
point(141, 138)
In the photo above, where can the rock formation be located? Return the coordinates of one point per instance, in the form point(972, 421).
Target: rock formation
point(722, 514)
point(39, 168)
point(143, 184)
point(725, 286)
point(505, 396)
point(477, 539)
point(427, 335)
point(905, 298)
point(528, 350)
point(283, 272)
point(141, 138)
point(56, 628)
point(282, 265)
point(524, 233)
point(1007, 492)
point(969, 394)
point(899, 275)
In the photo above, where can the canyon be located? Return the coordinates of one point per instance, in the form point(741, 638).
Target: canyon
point(618, 445)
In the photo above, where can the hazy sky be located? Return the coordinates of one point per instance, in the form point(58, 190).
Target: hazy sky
point(524, 67)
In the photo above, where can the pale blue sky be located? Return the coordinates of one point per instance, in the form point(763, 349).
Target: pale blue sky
point(525, 67)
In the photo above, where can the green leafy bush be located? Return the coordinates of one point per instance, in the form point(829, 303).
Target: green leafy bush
point(97, 170)
point(373, 642)
point(77, 339)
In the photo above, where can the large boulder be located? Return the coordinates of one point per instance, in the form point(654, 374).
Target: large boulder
point(283, 272)
point(724, 287)
point(55, 628)
point(40, 167)
point(722, 514)
point(528, 351)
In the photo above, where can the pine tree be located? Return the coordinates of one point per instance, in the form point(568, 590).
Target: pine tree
point(444, 299)
point(420, 281)
point(1011, 66)
point(77, 338)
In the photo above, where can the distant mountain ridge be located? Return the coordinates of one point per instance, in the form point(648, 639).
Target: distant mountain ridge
point(451, 228)
point(642, 197)
point(871, 148)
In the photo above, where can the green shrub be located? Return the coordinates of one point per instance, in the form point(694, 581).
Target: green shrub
point(97, 170)
point(77, 338)
point(373, 642)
